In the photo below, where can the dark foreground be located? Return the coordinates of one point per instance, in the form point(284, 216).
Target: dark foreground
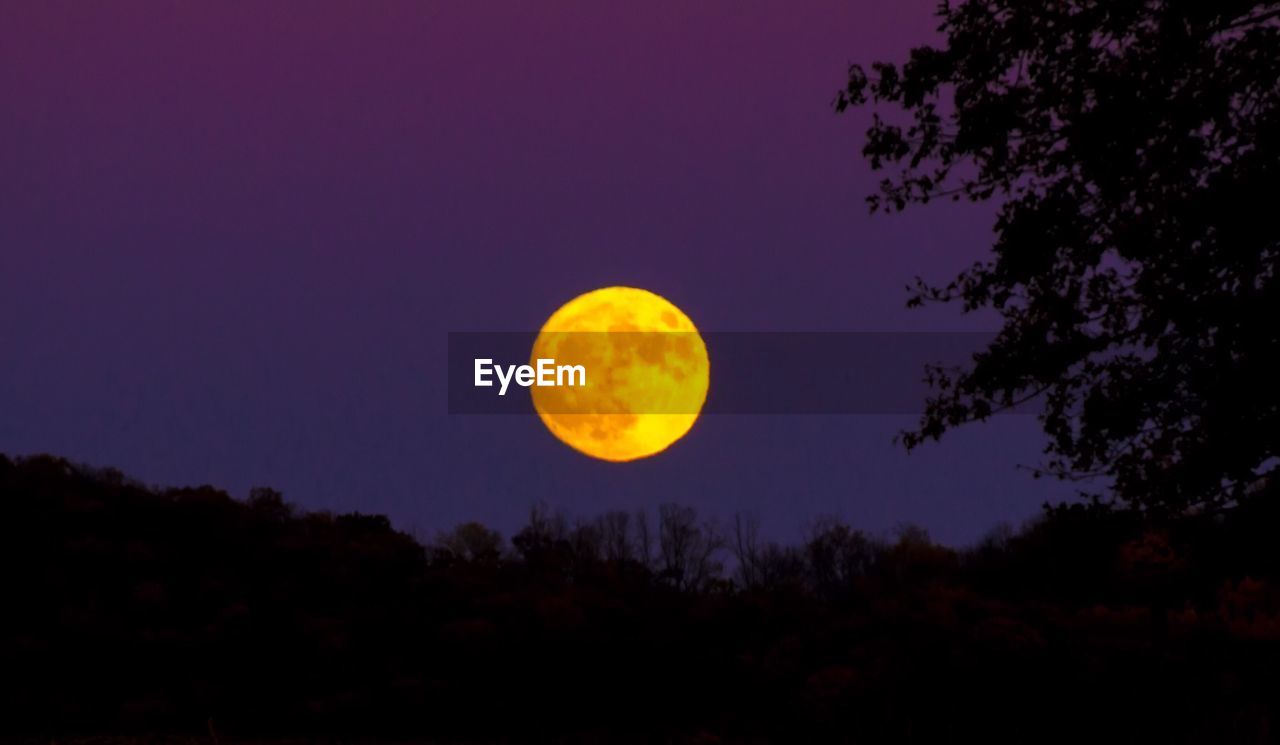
point(154, 611)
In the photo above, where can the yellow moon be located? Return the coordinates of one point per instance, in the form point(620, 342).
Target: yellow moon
point(646, 373)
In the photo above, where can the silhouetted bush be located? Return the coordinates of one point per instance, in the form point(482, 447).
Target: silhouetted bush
point(133, 609)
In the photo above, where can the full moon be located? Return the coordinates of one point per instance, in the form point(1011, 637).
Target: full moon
point(646, 373)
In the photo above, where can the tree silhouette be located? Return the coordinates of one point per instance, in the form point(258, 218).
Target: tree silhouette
point(1134, 148)
point(469, 541)
point(132, 609)
point(686, 548)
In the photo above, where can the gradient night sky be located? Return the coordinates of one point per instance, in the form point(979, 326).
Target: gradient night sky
point(233, 237)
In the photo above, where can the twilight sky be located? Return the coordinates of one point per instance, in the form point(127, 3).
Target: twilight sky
point(233, 237)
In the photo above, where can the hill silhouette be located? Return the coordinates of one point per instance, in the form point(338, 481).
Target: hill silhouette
point(132, 609)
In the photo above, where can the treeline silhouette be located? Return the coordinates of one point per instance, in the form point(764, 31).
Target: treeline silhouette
point(132, 609)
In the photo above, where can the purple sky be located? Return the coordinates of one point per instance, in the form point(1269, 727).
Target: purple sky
point(233, 237)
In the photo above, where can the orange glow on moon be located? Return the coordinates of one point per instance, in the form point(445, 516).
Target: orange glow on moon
point(647, 373)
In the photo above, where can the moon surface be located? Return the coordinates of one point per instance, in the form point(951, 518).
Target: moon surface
point(647, 373)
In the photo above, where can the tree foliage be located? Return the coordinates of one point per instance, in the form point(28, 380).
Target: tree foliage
point(136, 609)
point(1133, 148)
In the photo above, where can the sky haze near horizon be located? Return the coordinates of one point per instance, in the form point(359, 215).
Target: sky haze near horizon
point(233, 238)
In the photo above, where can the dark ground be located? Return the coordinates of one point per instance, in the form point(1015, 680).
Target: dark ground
point(141, 610)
